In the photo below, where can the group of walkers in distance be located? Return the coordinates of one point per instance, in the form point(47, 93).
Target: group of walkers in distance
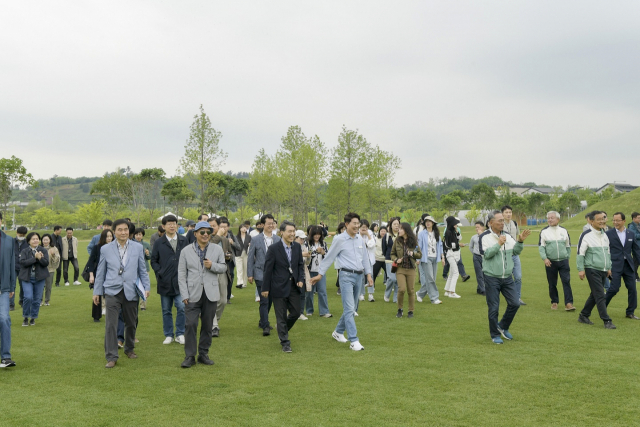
point(195, 269)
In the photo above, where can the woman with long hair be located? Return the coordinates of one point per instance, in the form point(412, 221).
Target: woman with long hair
point(452, 254)
point(34, 260)
point(405, 252)
point(387, 245)
point(107, 236)
point(379, 264)
point(54, 262)
point(242, 255)
point(316, 247)
point(341, 229)
point(421, 225)
point(431, 247)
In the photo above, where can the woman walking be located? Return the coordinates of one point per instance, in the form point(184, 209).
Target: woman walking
point(405, 252)
point(431, 247)
point(97, 311)
point(316, 247)
point(379, 264)
point(452, 254)
point(242, 256)
point(34, 260)
point(54, 262)
point(387, 245)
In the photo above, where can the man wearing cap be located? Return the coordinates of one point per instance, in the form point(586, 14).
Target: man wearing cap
point(199, 267)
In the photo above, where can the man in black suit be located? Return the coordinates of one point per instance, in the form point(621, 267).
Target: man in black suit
point(625, 255)
point(284, 278)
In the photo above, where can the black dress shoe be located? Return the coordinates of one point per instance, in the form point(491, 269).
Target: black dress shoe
point(465, 278)
point(188, 362)
point(632, 316)
point(585, 320)
point(410, 314)
point(216, 332)
point(204, 359)
point(609, 325)
point(266, 331)
point(286, 349)
point(399, 315)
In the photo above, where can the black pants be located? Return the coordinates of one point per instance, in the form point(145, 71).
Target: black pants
point(559, 268)
point(477, 266)
point(281, 306)
point(203, 310)
point(76, 269)
point(494, 286)
point(230, 267)
point(265, 307)
point(115, 303)
point(58, 273)
point(461, 270)
point(627, 274)
point(379, 265)
point(596, 297)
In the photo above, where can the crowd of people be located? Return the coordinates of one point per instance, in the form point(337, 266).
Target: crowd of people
point(195, 271)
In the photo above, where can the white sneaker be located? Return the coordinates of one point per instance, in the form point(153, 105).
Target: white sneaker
point(303, 317)
point(386, 299)
point(361, 298)
point(167, 340)
point(418, 298)
point(231, 296)
point(371, 298)
point(338, 337)
point(355, 313)
point(180, 339)
point(66, 283)
point(356, 346)
point(257, 299)
point(454, 295)
point(104, 311)
point(309, 314)
point(77, 283)
point(326, 316)
point(436, 302)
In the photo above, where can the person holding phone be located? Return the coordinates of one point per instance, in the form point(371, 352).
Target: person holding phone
point(404, 253)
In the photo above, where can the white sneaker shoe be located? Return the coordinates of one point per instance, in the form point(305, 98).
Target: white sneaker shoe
point(361, 298)
point(454, 295)
point(77, 283)
point(167, 340)
point(386, 299)
point(356, 346)
point(326, 316)
point(180, 339)
point(418, 298)
point(231, 296)
point(257, 299)
point(436, 302)
point(355, 313)
point(303, 317)
point(66, 283)
point(104, 311)
point(338, 337)
point(371, 298)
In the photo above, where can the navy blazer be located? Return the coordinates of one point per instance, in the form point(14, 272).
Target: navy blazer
point(7, 263)
point(164, 262)
point(277, 277)
point(629, 254)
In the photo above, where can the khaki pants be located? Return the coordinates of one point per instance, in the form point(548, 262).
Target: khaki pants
point(406, 278)
point(241, 267)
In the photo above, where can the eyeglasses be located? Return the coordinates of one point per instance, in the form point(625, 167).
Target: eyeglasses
point(203, 232)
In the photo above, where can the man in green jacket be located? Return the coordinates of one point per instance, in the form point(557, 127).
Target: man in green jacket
point(555, 248)
point(498, 249)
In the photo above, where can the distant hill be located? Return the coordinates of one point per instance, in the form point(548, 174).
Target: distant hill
point(627, 203)
point(72, 190)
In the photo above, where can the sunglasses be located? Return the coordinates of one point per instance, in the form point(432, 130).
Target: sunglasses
point(203, 232)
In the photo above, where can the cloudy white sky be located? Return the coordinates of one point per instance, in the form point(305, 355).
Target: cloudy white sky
point(544, 91)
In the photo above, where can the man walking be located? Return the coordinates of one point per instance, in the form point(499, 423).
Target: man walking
point(19, 243)
point(474, 247)
point(634, 226)
point(554, 246)
point(56, 241)
point(165, 256)
point(122, 278)
point(7, 290)
point(218, 238)
point(499, 250)
point(349, 250)
point(106, 225)
point(70, 255)
point(255, 267)
point(625, 256)
point(155, 236)
point(511, 228)
point(283, 281)
point(594, 263)
point(201, 263)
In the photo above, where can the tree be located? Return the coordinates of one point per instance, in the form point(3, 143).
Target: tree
point(178, 192)
point(483, 196)
point(43, 217)
point(145, 188)
point(264, 184)
point(570, 203)
point(13, 173)
point(202, 154)
point(115, 188)
point(91, 214)
point(378, 180)
point(423, 199)
point(450, 203)
point(473, 214)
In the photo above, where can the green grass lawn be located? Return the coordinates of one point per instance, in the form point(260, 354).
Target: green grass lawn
point(437, 369)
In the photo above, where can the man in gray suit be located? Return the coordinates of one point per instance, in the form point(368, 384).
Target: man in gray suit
point(255, 267)
point(122, 277)
point(200, 264)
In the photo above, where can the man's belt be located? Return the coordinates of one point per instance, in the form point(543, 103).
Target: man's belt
point(352, 271)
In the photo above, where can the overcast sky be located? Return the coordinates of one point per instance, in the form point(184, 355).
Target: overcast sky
point(529, 91)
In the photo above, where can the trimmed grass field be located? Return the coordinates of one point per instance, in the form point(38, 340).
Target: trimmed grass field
point(437, 369)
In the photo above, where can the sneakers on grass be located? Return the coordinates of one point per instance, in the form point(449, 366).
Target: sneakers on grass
point(356, 346)
point(338, 337)
point(418, 298)
point(180, 339)
point(505, 334)
point(167, 340)
point(497, 340)
point(302, 317)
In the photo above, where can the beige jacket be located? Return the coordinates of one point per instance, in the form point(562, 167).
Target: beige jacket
point(65, 247)
point(54, 259)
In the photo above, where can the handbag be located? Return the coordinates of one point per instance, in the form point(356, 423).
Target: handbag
point(85, 273)
point(394, 266)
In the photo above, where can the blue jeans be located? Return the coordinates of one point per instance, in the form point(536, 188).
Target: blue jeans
point(350, 291)
point(321, 288)
point(32, 298)
point(493, 287)
point(391, 283)
point(167, 303)
point(428, 271)
point(5, 327)
point(517, 275)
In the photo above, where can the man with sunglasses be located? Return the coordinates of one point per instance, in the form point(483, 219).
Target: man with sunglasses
point(200, 266)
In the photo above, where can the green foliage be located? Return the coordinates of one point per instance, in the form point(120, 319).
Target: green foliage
point(264, 186)
point(179, 194)
point(115, 189)
point(91, 214)
point(13, 173)
point(473, 214)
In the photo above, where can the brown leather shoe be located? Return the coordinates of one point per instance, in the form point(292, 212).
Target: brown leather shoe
point(132, 355)
point(110, 364)
point(569, 307)
point(554, 306)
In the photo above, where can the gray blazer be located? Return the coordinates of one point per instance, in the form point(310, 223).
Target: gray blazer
point(257, 255)
point(192, 277)
point(108, 281)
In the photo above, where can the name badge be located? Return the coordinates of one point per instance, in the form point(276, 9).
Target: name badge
point(290, 271)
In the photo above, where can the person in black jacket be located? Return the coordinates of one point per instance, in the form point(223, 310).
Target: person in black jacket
point(107, 236)
point(56, 241)
point(20, 244)
point(283, 279)
point(625, 256)
point(164, 261)
point(34, 260)
point(242, 257)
